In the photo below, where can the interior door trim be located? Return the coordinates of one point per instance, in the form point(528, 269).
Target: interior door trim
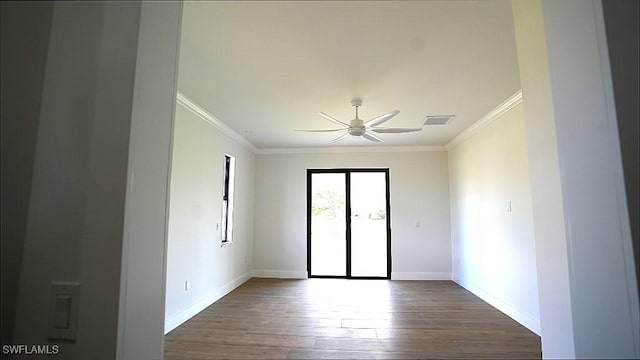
point(347, 172)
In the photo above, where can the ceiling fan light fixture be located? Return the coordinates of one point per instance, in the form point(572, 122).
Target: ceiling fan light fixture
point(359, 128)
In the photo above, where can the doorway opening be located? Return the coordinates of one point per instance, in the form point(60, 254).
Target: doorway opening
point(348, 223)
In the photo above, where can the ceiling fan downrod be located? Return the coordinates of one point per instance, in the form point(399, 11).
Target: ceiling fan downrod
point(357, 127)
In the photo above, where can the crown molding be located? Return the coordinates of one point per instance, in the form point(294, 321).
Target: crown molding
point(490, 117)
point(212, 120)
point(352, 149)
point(487, 119)
point(203, 114)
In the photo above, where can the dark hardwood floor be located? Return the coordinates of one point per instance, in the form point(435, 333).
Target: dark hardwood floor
point(350, 319)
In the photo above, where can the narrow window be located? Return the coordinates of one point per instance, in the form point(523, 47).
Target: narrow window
point(227, 198)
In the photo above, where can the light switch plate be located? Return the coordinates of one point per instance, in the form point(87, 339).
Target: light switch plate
point(65, 296)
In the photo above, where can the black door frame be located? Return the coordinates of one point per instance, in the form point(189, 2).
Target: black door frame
point(347, 172)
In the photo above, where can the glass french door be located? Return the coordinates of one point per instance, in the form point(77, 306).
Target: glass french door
point(348, 224)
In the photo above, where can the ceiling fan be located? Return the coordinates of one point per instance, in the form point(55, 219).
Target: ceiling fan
point(357, 127)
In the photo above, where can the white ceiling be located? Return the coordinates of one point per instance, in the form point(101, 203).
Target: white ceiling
point(266, 68)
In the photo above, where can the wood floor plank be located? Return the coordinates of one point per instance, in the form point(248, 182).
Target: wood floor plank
point(318, 332)
point(350, 319)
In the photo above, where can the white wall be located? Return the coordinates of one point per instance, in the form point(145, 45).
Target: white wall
point(419, 191)
point(621, 18)
point(104, 111)
point(493, 246)
point(141, 315)
point(598, 230)
point(587, 283)
point(194, 248)
point(24, 42)
point(86, 81)
point(551, 253)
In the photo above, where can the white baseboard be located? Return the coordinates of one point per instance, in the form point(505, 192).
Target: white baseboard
point(177, 319)
point(420, 276)
point(280, 274)
point(525, 320)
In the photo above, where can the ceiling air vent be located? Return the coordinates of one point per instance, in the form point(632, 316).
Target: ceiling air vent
point(437, 119)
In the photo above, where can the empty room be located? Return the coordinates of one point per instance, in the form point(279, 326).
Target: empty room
point(370, 141)
point(320, 179)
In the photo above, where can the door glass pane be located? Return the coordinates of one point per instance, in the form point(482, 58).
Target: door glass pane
point(328, 224)
point(368, 224)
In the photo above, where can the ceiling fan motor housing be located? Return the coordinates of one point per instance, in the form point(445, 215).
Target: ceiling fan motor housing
point(357, 127)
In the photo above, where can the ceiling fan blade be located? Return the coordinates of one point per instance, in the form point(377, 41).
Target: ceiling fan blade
point(328, 130)
point(333, 120)
point(340, 137)
point(380, 119)
point(394, 130)
point(372, 137)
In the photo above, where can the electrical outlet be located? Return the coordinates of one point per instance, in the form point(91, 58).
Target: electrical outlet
point(187, 285)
